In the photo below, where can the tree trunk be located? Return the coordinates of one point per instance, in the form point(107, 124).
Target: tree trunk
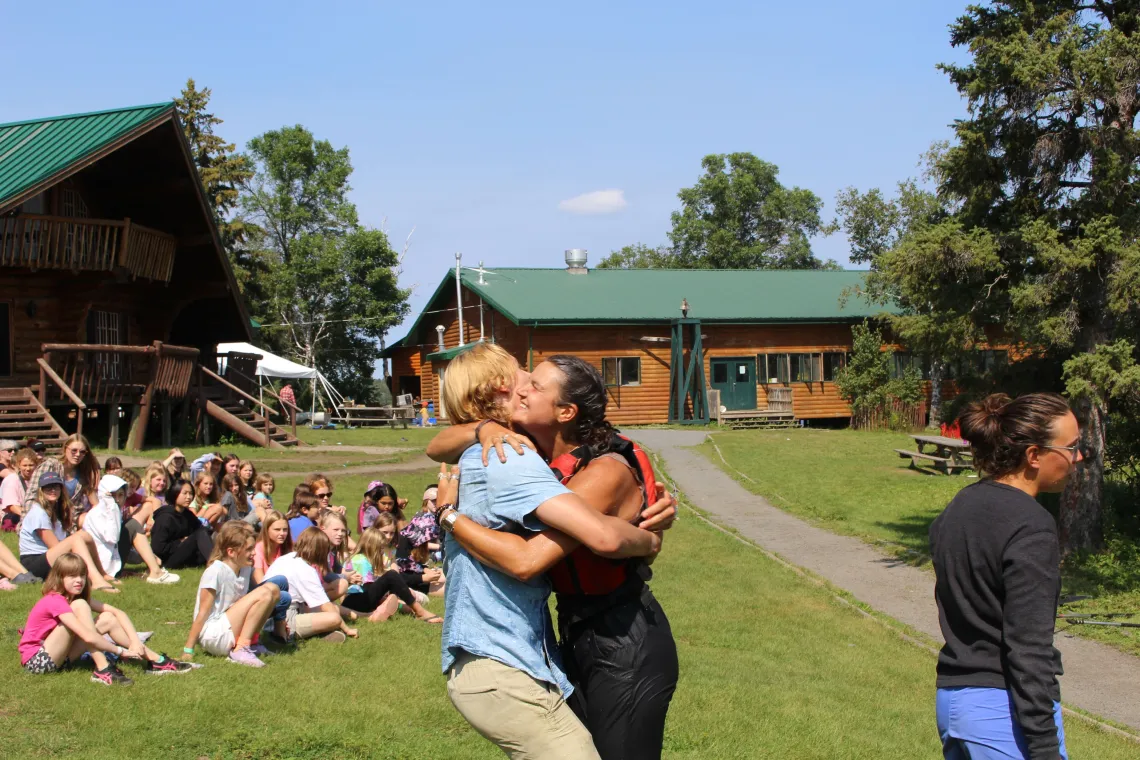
point(937, 369)
point(1082, 510)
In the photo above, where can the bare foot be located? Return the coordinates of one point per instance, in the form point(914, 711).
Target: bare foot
point(386, 609)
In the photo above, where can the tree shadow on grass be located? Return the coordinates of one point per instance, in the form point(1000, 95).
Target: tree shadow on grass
point(913, 533)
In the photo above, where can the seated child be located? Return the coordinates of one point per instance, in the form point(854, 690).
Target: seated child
point(178, 538)
point(229, 612)
point(272, 543)
point(310, 613)
point(262, 499)
point(383, 590)
point(303, 512)
point(62, 626)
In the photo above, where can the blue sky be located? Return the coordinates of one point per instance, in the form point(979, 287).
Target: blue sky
point(473, 124)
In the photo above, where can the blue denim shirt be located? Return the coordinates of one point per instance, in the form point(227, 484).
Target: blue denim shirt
point(490, 614)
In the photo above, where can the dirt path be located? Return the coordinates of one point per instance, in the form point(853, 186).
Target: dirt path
point(1098, 679)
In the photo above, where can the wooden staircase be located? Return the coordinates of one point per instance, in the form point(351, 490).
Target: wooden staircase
point(22, 416)
point(227, 407)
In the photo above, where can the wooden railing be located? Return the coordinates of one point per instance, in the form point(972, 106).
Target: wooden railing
point(287, 410)
point(47, 373)
point(265, 410)
point(111, 374)
point(71, 243)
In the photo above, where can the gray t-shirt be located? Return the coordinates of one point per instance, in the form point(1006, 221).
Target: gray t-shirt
point(37, 519)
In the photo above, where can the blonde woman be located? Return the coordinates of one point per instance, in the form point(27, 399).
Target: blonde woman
point(499, 653)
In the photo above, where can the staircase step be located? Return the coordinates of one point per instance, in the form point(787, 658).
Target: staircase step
point(29, 414)
point(13, 393)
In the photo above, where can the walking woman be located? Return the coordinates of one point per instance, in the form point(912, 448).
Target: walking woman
point(997, 565)
point(615, 639)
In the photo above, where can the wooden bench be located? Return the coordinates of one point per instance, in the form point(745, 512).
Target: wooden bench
point(943, 464)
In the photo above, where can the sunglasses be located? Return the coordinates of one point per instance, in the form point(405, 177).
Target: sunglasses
point(324, 495)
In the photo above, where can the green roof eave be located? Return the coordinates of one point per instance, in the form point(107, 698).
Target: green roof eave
point(450, 353)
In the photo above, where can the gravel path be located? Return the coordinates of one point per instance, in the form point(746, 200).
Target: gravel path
point(1098, 679)
point(279, 468)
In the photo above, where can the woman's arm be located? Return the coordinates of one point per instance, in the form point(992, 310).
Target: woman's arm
point(48, 537)
point(604, 535)
point(205, 604)
point(450, 443)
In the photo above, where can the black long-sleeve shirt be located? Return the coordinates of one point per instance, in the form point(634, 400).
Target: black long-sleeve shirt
point(997, 565)
point(170, 527)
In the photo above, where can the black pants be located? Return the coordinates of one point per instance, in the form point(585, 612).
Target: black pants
point(192, 551)
point(374, 593)
point(623, 664)
point(127, 553)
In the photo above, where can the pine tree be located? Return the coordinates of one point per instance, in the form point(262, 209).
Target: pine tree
point(221, 169)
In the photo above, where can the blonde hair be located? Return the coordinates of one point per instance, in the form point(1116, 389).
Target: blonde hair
point(155, 468)
point(252, 478)
point(261, 480)
point(67, 565)
point(375, 549)
point(232, 535)
point(328, 516)
point(267, 544)
point(473, 381)
point(61, 512)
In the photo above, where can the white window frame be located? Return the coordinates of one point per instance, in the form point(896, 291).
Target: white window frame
point(613, 374)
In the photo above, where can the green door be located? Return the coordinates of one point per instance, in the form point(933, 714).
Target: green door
point(736, 381)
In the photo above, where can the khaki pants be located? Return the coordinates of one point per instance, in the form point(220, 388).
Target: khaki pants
point(527, 719)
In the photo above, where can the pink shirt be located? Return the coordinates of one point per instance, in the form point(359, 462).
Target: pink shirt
point(12, 491)
point(260, 563)
point(42, 620)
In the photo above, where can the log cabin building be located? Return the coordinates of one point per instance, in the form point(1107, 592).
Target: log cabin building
point(672, 345)
point(114, 287)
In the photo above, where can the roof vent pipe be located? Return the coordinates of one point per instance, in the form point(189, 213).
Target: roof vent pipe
point(576, 260)
point(439, 332)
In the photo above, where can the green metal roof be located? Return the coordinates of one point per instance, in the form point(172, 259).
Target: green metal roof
point(555, 296)
point(449, 354)
point(36, 150)
point(617, 296)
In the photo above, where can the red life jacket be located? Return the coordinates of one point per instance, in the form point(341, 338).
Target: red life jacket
point(583, 572)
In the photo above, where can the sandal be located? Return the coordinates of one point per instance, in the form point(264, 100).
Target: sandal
point(433, 620)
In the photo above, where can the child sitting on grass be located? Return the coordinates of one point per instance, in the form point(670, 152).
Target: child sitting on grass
point(62, 626)
point(206, 505)
point(236, 503)
point(262, 499)
point(311, 613)
point(271, 544)
point(383, 590)
point(228, 613)
point(303, 512)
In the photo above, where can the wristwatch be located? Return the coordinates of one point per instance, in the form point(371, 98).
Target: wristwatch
point(447, 522)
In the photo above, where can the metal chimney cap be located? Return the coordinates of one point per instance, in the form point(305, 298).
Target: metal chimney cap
point(576, 260)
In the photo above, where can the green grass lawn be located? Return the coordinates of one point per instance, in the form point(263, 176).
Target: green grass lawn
point(771, 666)
point(852, 482)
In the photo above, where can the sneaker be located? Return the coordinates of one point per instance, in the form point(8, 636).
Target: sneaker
point(167, 577)
point(245, 656)
point(260, 650)
point(166, 665)
point(24, 579)
point(110, 676)
point(336, 637)
point(277, 641)
point(7, 585)
point(420, 597)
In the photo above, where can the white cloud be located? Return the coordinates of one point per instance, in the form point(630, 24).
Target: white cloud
point(597, 202)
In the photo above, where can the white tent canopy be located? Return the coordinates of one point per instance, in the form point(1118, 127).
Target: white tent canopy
point(272, 365)
point(269, 365)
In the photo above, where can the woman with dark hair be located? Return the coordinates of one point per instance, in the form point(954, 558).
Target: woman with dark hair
point(615, 640)
point(997, 566)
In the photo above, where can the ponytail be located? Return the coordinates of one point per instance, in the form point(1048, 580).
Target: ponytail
point(1000, 429)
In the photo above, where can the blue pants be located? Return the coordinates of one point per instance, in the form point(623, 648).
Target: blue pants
point(977, 723)
point(283, 603)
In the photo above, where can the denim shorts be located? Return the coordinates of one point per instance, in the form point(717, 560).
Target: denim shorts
point(977, 723)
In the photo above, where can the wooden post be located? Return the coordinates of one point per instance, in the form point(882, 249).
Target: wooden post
point(166, 431)
point(79, 421)
point(265, 419)
point(138, 427)
point(125, 242)
point(202, 415)
point(113, 424)
point(183, 419)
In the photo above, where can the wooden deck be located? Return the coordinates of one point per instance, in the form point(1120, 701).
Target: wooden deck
point(757, 418)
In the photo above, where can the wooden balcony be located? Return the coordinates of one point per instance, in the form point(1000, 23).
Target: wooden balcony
point(75, 244)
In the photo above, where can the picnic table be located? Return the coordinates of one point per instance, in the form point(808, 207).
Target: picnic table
point(365, 416)
point(946, 454)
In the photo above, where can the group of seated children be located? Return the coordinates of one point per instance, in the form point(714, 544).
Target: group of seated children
point(299, 574)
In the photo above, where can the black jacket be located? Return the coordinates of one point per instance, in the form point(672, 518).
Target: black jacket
point(997, 565)
point(170, 527)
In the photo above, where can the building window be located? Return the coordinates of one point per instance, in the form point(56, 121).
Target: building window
point(833, 361)
point(806, 368)
point(621, 371)
point(902, 360)
point(773, 368)
point(107, 328)
point(71, 203)
point(5, 338)
point(720, 373)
